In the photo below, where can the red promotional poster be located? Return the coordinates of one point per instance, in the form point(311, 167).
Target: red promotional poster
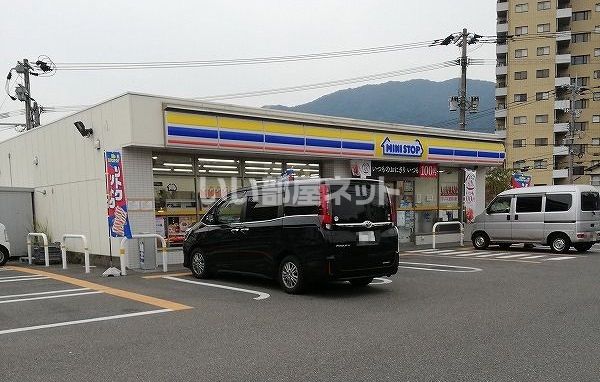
point(428, 170)
point(118, 221)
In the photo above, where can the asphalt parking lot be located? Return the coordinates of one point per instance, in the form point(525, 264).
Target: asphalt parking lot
point(451, 314)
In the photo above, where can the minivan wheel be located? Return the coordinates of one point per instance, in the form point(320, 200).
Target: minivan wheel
point(480, 240)
point(560, 243)
point(291, 275)
point(582, 247)
point(361, 282)
point(199, 266)
point(3, 256)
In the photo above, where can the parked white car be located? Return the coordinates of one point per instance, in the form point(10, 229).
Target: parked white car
point(4, 245)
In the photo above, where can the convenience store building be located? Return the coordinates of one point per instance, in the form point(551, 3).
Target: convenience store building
point(180, 155)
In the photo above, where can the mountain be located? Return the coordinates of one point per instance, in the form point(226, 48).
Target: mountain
point(414, 102)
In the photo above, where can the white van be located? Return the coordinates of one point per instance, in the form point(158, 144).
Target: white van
point(4, 245)
point(558, 216)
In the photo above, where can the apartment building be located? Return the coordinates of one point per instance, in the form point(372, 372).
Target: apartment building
point(543, 47)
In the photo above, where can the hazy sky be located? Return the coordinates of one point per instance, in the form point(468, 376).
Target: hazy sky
point(131, 31)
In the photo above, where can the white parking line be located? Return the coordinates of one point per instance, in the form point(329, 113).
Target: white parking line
point(49, 297)
point(464, 253)
point(487, 255)
point(443, 251)
point(511, 256)
point(560, 258)
point(17, 277)
point(261, 295)
point(382, 281)
point(77, 322)
point(24, 279)
point(43, 293)
point(532, 257)
point(456, 268)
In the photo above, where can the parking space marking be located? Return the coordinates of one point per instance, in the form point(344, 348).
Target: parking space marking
point(49, 297)
point(24, 279)
point(89, 320)
point(486, 255)
point(560, 258)
point(260, 295)
point(532, 257)
point(168, 274)
point(44, 293)
point(451, 268)
point(16, 277)
point(511, 256)
point(158, 302)
point(381, 281)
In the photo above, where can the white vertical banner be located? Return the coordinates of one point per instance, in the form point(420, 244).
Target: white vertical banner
point(470, 195)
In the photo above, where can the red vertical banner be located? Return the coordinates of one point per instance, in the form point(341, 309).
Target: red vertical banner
point(118, 220)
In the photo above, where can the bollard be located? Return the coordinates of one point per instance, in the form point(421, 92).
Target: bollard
point(45, 240)
point(125, 256)
point(462, 235)
point(86, 252)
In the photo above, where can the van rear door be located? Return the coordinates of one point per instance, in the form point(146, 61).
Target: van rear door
point(362, 229)
point(589, 220)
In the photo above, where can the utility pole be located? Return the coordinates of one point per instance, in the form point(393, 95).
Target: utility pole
point(575, 90)
point(27, 95)
point(463, 81)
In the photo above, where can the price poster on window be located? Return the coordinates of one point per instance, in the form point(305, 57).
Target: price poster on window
point(470, 197)
point(118, 220)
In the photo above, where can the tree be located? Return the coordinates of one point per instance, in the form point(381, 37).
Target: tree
point(496, 181)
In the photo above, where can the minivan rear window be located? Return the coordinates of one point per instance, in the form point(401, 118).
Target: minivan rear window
point(558, 202)
point(359, 202)
point(590, 201)
point(301, 199)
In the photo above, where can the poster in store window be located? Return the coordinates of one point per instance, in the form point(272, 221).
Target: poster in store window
point(118, 219)
point(470, 195)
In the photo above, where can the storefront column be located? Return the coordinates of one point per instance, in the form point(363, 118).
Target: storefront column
point(480, 173)
point(336, 168)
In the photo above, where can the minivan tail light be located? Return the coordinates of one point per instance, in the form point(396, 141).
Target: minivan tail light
point(393, 214)
point(325, 208)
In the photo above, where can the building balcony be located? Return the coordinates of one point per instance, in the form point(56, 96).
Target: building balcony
point(501, 70)
point(562, 81)
point(500, 113)
point(560, 150)
point(502, 6)
point(563, 36)
point(501, 91)
point(559, 174)
point(501, 133)
point(563, 58)
point(564, 13)
point(561, 127)
point(561, 104)
point(502, 27)
point(501, 48)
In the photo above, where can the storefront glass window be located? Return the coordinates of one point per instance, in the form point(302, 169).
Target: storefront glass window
point(448, 195)
point(303, 169)
point(426, 204)
point(216, 178)
point(256, 170)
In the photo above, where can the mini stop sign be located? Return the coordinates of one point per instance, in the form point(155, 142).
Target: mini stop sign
point(428, 170)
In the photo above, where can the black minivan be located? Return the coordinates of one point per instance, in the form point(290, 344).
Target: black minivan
point(299, 232)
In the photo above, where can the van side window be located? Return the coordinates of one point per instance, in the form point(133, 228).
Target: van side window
point(301, 200)
point(529, 203)
point(590, 201)
point(500, 205)
point(230, 211)
point(263, 206)
point(558, 202)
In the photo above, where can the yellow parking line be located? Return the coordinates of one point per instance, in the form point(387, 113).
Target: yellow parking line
point(165, 304)
point(166, 274)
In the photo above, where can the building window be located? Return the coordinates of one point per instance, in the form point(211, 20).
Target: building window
point(541, 141)
point(520, 53)
point(521, 75)
point(540, 164)
point(595, 118)
point(521, 31)
point(595, 142)
point(581, 126)
point(597, 7)
point(597, 52)
point(521, 120)
point(518, 164)
point(543, 50)
point(581, 15)
point(596, 96)
point(597, 74)
point(519, 143)
point(540, 96)
point(580, 81)
point(543, 5)
point(542, 28)
point(580, 37)
point(542, 73)
point(580, 60)
point(520, 8)
point(541, 118)
point(521, 97)
point(581, 104)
